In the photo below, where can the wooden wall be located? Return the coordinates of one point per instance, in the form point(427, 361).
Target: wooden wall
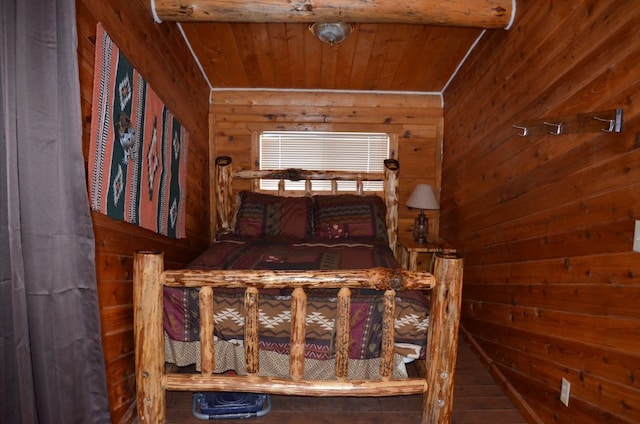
point(177, 80)
point(415, 120)
point(545, 223)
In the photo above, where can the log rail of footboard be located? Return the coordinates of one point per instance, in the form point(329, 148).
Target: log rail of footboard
point(436, 385)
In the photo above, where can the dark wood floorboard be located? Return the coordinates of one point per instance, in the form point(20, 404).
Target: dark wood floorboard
point(477, 400)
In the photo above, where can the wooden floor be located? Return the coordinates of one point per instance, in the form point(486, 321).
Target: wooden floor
point(477, 400)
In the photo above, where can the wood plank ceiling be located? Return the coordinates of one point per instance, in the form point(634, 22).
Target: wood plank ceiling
point(381, 57)
point(413, 46)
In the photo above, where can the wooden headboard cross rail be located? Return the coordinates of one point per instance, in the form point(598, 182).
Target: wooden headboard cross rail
point(225, 200)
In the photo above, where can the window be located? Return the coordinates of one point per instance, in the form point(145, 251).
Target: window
point(323, 151)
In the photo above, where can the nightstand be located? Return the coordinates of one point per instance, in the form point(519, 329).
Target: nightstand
point(416, 256)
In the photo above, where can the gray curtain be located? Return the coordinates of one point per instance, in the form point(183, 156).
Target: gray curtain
point(51, 359)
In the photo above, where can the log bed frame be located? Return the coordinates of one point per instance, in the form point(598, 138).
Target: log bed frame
point(445, 284)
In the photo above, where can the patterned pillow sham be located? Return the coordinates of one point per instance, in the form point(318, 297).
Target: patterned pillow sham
point(349, 216)
point(266, 215)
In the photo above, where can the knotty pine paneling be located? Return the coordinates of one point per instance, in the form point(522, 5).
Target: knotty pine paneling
point(416, 121)
point(545, 223)
point(577, 354)
point(375, 56)
point(158, 53)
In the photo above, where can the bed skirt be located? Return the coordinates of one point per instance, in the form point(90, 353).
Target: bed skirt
point(229, 356)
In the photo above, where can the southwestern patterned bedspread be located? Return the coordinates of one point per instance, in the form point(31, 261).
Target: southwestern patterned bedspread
point(181, 305)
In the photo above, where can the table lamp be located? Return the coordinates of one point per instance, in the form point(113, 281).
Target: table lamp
point(422, 198)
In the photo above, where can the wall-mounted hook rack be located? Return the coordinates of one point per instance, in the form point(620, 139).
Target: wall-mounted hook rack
point(609, 121)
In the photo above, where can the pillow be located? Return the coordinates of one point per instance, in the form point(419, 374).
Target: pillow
point(266, 215)
point(349, 216)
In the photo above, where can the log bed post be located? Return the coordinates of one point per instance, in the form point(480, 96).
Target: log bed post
point(148, 336)
point(442, 340)
point(223, 195)
point(391, 194)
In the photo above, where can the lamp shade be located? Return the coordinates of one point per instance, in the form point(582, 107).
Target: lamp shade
point(422, 197)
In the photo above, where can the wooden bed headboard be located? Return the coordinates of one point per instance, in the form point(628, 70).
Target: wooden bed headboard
point(225, 199)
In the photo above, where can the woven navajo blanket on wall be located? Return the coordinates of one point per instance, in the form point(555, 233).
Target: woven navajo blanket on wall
point(138, 149)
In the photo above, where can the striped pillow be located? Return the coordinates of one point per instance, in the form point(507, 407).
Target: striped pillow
point(349, 216)
point(266, 215)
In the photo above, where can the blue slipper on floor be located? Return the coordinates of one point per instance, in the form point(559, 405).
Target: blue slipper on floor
point(229, 405)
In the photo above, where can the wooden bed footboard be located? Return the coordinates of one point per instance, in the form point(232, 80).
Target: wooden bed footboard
point(436, 385)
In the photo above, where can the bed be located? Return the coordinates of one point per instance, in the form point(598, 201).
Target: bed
point(269, 301)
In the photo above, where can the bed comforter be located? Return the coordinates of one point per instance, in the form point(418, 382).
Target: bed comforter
point(181, 319)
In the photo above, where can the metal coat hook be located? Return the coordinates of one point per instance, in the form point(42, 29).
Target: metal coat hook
point(558, 129)
point(612, 124)
point(615, 124)
point(525, 130)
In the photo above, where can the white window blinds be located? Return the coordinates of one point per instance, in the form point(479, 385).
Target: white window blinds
point(323, 151)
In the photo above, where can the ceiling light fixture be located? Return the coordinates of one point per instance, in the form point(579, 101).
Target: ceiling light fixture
point(331, 32)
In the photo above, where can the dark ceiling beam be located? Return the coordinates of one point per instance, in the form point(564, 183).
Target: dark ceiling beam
point(467, 13)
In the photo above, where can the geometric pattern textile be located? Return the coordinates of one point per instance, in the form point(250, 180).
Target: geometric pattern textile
point(230, 356)
point(138, 149)
point(181, 306)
